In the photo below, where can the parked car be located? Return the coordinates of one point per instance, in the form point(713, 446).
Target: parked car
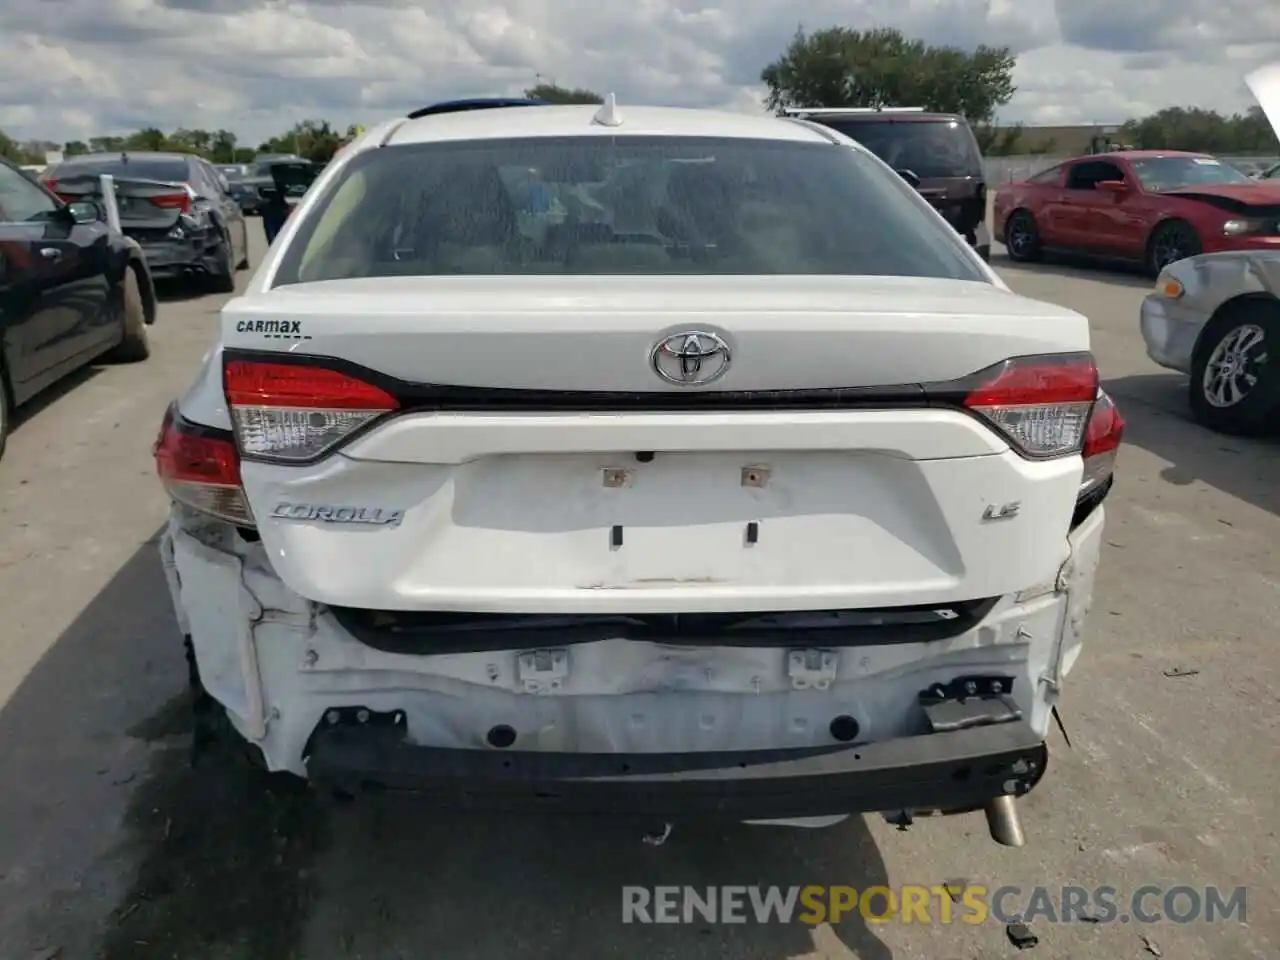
point(71, 291)
point(259, 186)
point(245, 196)
point(1216, 317)
point(1145, 206)
point(937, 153)
point(175, 205)
point(750, 490)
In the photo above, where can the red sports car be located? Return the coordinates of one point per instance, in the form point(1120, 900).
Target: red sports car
point(1151, 207)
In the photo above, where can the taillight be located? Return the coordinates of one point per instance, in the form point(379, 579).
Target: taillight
point(1101, 443)
point(200, 469)
point(1039, 404)
point(52, 186)
point(173, 201)
point(294, 413)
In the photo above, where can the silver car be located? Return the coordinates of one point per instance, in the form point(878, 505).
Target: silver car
point(1217, 318)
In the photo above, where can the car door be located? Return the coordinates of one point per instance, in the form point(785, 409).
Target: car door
point(57, 295)
point(1043, 196)
point(1089, 214)
point(215, 187)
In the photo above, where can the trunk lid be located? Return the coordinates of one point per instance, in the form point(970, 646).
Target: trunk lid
point(595, 333)
point(147, 207)
point(558, 473)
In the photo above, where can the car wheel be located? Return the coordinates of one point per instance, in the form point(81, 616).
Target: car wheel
point(222, 279)
point(5, 411)
point(1022, 237)
point(136, 346)
point(1235, 372)
point(1170, 242)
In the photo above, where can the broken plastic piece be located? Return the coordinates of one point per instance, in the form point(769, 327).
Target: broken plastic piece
point(1020, 936)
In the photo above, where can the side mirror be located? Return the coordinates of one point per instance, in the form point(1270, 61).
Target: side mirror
point(910, 177)
point(1112, 186)
point(85, 211)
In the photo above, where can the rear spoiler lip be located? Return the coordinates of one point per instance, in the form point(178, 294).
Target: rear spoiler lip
point(94, 181)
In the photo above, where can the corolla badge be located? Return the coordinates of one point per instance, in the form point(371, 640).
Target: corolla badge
point(325, 513)
point(690, 358)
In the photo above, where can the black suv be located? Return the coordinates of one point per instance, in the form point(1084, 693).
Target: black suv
point(936, 152)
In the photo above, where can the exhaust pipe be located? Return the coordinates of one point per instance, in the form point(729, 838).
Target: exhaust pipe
point(1003, 822)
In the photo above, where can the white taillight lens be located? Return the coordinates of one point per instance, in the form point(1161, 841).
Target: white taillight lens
point(1040, 404)
point(200, 469)
point(293, 413)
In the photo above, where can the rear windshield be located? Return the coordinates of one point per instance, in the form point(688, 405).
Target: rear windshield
point(928, 148)
point(620, 205)
point(1173, 173)
point(138, 168)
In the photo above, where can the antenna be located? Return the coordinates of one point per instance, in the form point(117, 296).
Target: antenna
point(608, 114)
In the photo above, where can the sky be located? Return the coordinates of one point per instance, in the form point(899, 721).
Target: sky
point(76, 68)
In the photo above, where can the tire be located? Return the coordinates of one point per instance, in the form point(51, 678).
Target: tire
point(1170, 242)
point(223, 278)
point(6, 410)
point(1022, 237)
point(136, 346)
point(1245, 340)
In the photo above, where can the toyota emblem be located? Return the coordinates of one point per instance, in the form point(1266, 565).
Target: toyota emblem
point(690, 358)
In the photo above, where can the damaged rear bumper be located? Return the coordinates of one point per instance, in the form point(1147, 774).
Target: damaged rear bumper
point(948, 770)
point(633, 726)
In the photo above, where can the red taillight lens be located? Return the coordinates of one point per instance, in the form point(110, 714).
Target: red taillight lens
point(201, 470)
point(293, 412)
point(52, 186)
point(173, 201)
point(1101, 443)
point(1039, 404)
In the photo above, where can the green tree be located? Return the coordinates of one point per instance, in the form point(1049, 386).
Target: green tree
point(1191, 128)
point(9, 148)
point(998, 141)
point(75, 148)
point(149, 138)
point(315, 140)
point(839, 67)
point(553, 93)
point(106, 144)
point(183, 140)
point(222, 148)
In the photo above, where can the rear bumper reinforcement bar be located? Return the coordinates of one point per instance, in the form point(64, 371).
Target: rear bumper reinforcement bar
point(962, 767)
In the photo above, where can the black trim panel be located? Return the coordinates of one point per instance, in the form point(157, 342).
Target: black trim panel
point(419, 396)
point(430, 633)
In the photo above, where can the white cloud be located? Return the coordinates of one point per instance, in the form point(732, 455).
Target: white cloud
point(73, 68)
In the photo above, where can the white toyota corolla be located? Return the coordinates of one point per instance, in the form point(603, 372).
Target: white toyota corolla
point(647, 461)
